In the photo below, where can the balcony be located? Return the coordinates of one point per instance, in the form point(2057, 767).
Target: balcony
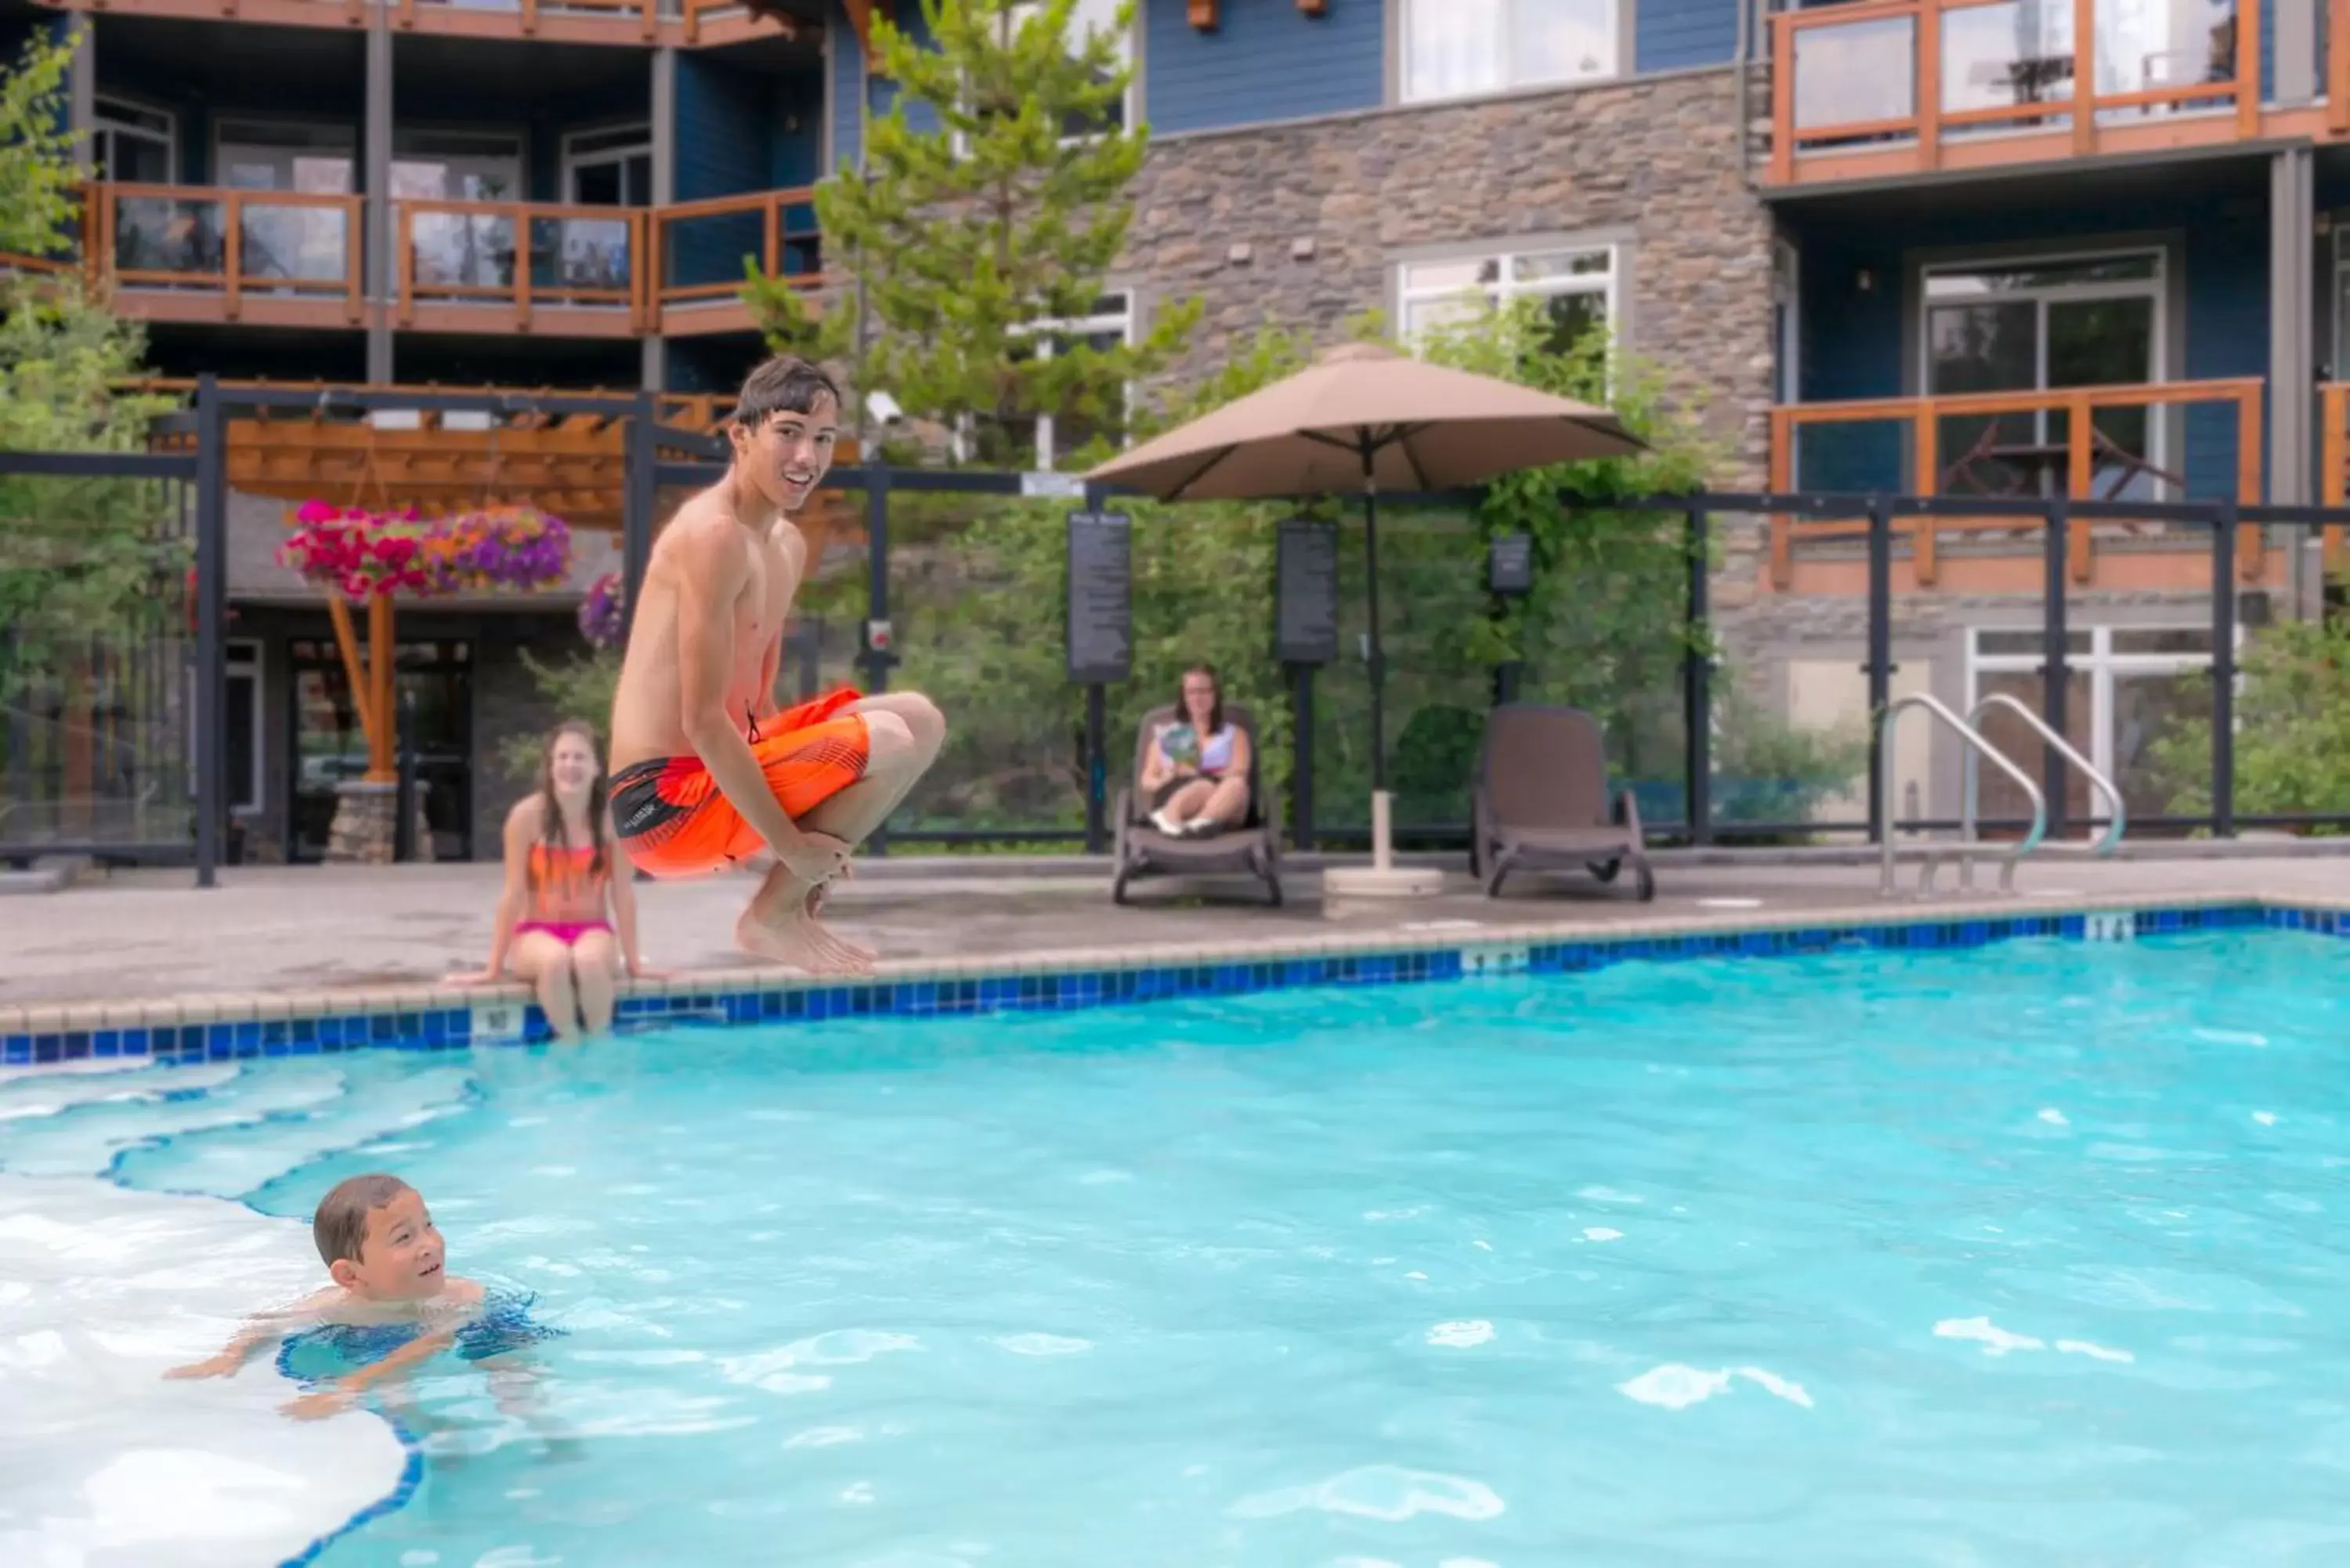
point(188, 254)
point(684, 23)
point(2171, 441)
point(1889, 89)
point(192, 254)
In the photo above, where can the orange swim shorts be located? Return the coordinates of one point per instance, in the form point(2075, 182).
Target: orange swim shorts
point(673, 821)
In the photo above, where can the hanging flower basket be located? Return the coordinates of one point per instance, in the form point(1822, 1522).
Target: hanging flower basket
point(512, 548)
point(603, 613)
point(361, 554)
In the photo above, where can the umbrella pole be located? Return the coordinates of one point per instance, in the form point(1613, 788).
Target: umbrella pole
point(1381, 852)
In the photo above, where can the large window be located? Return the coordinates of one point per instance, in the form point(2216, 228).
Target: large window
point(132, 144)
point(1452, 48)
point(468, 249)
point(2044, 326)
point(1086, 18)
point(2126, 685)
point(1576, 286)
point(1057, 435)
point(311, 244)
point(240, 724)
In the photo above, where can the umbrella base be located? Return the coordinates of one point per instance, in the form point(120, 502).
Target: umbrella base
point(1381, 882)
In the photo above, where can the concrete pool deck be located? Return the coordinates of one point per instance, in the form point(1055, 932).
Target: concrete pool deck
point(327, 934)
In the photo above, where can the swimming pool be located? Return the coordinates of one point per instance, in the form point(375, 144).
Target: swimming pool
point(2018, 1255)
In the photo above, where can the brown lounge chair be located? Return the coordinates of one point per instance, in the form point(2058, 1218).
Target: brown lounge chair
point(1541, 801)
point(1251, 849)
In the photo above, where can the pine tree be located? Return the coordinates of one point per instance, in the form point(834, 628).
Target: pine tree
point(994, 199)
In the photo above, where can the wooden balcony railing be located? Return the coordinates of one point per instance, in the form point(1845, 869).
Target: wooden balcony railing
point(2106, 444)
point(647, 11)
point(2334, 460)
point(699, 247)
point(1924, 74)
point(230, 243)
point(523, 253)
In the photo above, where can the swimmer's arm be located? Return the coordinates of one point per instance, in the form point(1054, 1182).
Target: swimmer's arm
point(522, 826)
point(713, 564)
point(262, 1329)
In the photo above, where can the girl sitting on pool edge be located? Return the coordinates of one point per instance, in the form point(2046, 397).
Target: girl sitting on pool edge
point(551, 927)
point(1197, 770)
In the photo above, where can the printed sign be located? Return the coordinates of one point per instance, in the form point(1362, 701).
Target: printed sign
point(1306, 593)
point(497, 1024)
point(1510, 564)
point(1101, 598)
point(1052, 487)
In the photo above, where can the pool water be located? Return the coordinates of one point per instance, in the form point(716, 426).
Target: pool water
point(2028, 1254)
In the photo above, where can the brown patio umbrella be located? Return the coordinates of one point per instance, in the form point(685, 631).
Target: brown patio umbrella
point(1361, 419)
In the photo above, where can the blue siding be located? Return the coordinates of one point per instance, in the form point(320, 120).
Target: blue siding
point(723, 138)
point(1852, 339)
point(848, 80)
point(1265, 60)
point(1677, 35)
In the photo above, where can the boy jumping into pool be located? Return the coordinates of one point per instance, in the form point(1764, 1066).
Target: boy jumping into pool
point(708, 774)
point(384, 1255)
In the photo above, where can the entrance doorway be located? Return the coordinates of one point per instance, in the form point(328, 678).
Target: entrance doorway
point(329, 746)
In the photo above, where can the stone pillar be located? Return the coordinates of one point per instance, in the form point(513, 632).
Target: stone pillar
point(365, 814)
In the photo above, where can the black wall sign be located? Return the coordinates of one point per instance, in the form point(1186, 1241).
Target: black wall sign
point(1101, 596)
point(1306, 593)
point(1510, 564)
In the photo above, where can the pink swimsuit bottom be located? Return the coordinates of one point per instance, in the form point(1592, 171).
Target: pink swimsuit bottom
point(567, 932)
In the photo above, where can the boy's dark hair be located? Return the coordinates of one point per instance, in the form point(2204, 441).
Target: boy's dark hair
point(785, 384)
point(339, 1227)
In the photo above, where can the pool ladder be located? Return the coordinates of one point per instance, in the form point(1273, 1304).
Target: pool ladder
point(1969, 848)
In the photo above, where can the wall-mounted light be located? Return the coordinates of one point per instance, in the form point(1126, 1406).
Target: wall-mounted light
point(1863, 279)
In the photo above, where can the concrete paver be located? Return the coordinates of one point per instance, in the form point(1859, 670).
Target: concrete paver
point(319, 929)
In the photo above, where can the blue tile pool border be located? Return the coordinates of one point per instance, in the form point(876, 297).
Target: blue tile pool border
point(247, 1028)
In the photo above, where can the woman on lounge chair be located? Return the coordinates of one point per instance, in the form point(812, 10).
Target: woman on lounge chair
point(552, 928)
point(1197, 772)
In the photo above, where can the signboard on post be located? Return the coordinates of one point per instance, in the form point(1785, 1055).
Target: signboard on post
point(1306, 593)
point(1510, 565)
point(1101, 598)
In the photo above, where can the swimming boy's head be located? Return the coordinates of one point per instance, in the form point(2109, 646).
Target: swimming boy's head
point(784, 423)
point(378, 1240)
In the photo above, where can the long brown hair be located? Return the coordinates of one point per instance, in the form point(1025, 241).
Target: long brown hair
point(551, 829)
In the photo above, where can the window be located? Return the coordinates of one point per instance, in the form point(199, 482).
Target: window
point(1787, 319)
point(2044, 326)
point(1452, 48)
point(609, 168)
point(2126, 685)
point(134, 145)
point(471, 249)
point(309, 244)
point(1088, 17)
point(1577, 286)
point(2341, 299)
point(1045, 440)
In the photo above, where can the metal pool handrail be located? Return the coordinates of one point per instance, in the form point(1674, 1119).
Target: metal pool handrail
point(2118, 816)
point(1975, 742)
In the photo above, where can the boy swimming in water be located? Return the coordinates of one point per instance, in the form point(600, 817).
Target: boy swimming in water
point(385, 1256)
point(707, 772)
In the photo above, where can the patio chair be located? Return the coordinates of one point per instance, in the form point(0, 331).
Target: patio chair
point(1251, 848)
point(1539, 801)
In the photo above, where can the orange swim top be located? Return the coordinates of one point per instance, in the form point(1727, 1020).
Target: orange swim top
point(673, 821)
point(565, 883)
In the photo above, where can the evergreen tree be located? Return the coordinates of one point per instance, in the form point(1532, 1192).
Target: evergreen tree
point(995, 200)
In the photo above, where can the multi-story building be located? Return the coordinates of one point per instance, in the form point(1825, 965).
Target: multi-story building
point(1827, 222)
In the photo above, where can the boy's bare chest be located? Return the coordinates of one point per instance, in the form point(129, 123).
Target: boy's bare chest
point(773, 578)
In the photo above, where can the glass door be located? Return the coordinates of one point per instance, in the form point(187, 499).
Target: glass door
point(306, 244)
point(603, 168)
point(2044, 327)
point(463, 250)
point(330, 748)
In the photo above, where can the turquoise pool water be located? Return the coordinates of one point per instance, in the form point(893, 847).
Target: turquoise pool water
point(2026, 1254)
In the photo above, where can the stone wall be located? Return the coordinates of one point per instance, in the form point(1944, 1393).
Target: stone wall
point(1300, 224)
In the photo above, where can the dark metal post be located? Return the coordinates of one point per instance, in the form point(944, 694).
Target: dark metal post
point(1880, 659)
point(1301, 767)
point(1096, 736)
point(641, 494)
point(1696, 687)
point(403, 830)
point(876, 660)
point(2055, 668)
point(1379, 653)
point(2223, 670)
point(212, 615)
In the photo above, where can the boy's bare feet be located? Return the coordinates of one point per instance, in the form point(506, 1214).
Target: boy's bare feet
point(781, 925)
